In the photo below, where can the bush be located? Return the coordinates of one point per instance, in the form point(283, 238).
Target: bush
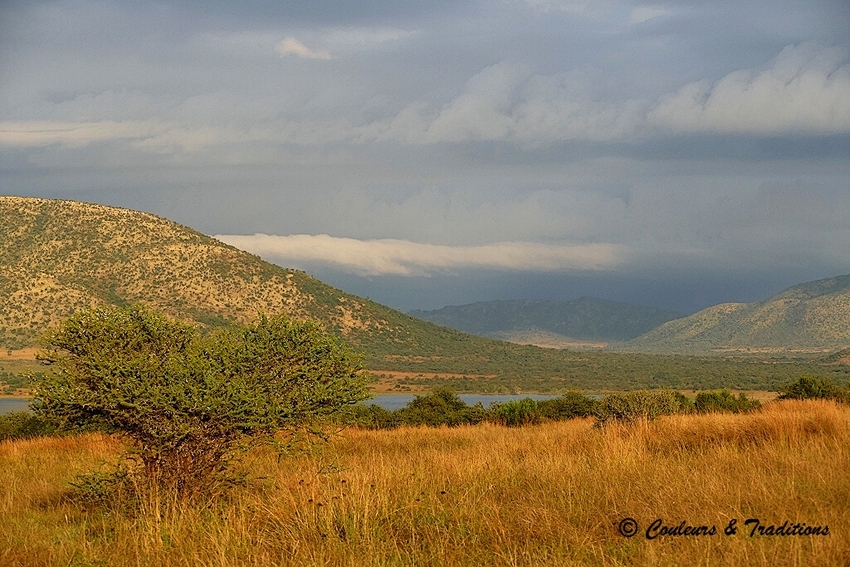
point(516, 413)
point(807, 387)
point(11, 382)
point(24, 425)
point(724, 401)
point(189, 404)
point(568, 406)
point(640, 405)
point(372, 416)
point(441, 407)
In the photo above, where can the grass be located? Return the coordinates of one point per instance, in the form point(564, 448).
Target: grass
point(551, 494)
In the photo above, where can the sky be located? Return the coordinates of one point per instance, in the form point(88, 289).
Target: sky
point(677, 154)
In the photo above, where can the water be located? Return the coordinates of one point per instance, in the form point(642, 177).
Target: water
point(9, 405)
point(396, 401)
point(386, 401)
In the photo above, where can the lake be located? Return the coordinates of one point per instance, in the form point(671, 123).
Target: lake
point(9, 405)
point(386, 401)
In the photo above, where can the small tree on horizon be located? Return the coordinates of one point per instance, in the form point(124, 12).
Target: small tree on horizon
point(189, 404)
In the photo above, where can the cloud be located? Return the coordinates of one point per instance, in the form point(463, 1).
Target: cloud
point(804, 90)
point(363, 38)
point(291, 46)
point(571, 7)
point(643, 14)
point(28, 134)
point(403, 257)
point(504, 103)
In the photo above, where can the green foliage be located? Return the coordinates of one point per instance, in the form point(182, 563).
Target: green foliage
point(724, 401)
point(10, 382)
point(516, 413)
point(371, 416)
point(441, 407)
point(568, 406)
point(104, 486)
point(24, 425)
point(189, 403)
point(807, 387)
point(639, 405)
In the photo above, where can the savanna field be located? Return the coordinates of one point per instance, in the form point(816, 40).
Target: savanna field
point(550, 494)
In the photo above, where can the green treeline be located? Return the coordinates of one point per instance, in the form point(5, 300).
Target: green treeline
point(442, 406)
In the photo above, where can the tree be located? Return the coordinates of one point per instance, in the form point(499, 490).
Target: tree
point(724, 401)
point(188, 404)
point(808, 387)
point(441, 406)
point(639, 405)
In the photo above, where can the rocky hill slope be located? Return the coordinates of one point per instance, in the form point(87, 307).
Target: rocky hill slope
point(806, 318)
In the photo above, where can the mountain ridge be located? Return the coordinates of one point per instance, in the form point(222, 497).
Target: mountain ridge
point(586, 319)
point(811, 317)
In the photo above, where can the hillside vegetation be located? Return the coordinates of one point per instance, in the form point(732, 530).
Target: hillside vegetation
point(811, 317)
point(58, 257)
point(584, 319)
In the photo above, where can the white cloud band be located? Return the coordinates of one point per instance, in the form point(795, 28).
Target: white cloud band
point(804, 90)
point(402, 257)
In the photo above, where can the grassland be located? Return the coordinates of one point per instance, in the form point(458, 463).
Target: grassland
point(485, 495)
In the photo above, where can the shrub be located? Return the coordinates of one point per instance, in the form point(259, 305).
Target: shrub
point(516, 413)
point(724, 401)
point(568, 406)
point(189, 404)
point(372, 416)
point(441, 407)
point(24, 425)
point(807, 387)
point(639, 405)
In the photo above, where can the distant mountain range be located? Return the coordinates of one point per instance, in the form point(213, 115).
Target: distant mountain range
point(806, 318)
point(588, 321)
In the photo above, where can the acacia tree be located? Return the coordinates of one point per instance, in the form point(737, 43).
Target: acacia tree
point(188, 404)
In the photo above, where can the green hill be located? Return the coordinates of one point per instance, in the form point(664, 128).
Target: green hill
point(586, 319)
point(807, 318)
point(60, 256)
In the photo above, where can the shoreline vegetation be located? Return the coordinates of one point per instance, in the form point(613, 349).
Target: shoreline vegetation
point(547, 494)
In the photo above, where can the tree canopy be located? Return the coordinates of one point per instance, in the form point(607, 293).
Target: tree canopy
point(188, 402)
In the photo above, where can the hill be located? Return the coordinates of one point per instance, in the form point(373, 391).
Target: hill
point(807, 318)
point(60, 256)
point(587, 320)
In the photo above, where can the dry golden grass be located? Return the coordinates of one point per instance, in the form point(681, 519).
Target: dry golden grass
point(483, 495)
